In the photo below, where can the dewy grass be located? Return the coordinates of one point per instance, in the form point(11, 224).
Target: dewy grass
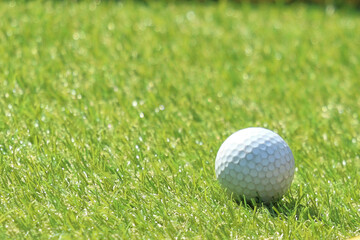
point(111, 116)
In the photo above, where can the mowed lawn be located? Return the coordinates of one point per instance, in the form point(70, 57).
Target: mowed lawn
point(111, 116)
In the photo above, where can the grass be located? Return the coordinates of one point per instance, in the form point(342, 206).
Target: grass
point(111, 116)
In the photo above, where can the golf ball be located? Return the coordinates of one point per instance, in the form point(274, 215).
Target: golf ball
point(255, 163)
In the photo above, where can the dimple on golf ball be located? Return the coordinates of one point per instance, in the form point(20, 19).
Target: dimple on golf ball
point(255, 163)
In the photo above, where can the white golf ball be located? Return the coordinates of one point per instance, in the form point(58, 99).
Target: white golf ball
point(255, 163)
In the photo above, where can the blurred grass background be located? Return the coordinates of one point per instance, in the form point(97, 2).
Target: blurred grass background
point(330, 3)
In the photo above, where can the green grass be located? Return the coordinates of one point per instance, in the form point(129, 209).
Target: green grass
point(111, 116)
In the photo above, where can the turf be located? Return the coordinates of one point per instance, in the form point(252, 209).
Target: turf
point(111, 115)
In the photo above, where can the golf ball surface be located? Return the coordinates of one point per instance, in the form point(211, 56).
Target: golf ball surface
point(255, 163)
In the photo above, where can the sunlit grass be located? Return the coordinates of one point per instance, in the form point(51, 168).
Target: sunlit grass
point(111, 116)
